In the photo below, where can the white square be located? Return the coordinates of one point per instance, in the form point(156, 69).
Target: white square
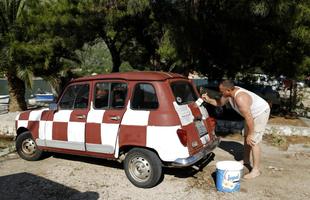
point(62, 116)
point(136, 117)
point(95, 116)
point(35, 115)
point(109, 134)
point(22, 123)
point(76, 131)
point(48, 130)
point(166, 142)
point(42, 129)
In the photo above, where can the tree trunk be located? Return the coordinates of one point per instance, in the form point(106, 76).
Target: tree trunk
point(17, 91)
point(116, 61)
point(115, 54)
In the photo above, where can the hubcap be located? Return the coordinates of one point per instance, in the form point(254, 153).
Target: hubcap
point(140, 169)
point(28, 146)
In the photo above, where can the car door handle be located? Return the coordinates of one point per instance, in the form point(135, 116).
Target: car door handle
point(81, 116)
point(115, 118)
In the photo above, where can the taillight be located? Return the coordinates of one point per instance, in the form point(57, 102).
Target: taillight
point(182, 136)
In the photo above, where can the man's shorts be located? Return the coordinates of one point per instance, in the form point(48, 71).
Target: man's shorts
point(260, 123)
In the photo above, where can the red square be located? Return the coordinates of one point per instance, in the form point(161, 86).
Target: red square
point(132, 135)
point(92, 134)
point(60, 131)
point(47, 115)
point(24, 116)
point(33, 127)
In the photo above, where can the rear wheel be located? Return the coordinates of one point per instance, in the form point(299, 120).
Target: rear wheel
point(27, 148)
point(143, 168)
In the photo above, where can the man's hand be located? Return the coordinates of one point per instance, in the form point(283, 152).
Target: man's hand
point(250, 141)
point(205, 97)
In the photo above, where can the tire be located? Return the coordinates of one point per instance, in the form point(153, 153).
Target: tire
point(143, 168)
point(27, 148)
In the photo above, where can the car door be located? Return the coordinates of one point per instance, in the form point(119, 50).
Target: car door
point(66, 128)
point(104, 117)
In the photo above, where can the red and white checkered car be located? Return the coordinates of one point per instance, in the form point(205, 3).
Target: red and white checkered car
point(145, 119)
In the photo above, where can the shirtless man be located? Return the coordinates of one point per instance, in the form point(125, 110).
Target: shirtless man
point(255, 111)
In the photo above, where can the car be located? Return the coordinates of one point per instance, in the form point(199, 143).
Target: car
point(146, 120)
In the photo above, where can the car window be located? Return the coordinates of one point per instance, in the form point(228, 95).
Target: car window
point(102, 91)
point(110, 95)
point(76, 96)
point(183, 92)
point(118, 94)
point(144, 97)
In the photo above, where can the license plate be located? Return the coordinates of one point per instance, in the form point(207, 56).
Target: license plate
point(205, 139)
point(200, 128)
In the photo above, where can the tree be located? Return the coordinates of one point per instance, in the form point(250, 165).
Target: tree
point(95, 58)
point(50, 44)
point(10, 14)
point(224, 37)
point(116, 23)
point(36, 40)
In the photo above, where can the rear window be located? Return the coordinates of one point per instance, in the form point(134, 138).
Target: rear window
point(183, 92)
point(144, 97)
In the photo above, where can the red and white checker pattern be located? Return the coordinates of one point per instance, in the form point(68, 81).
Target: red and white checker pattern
point(61, 129)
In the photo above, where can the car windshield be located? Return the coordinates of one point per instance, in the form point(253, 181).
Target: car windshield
point(183, 92)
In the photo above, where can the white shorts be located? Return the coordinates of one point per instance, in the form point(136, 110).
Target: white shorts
point(260, 123)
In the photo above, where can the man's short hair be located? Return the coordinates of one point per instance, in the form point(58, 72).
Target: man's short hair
point(228, 84)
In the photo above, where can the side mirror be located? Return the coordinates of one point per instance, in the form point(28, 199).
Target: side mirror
point(53, 106)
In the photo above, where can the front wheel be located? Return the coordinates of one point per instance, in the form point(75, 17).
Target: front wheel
point(27, 148)
point(143, 168)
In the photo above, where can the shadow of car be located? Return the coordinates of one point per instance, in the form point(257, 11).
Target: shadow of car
point(30, 186)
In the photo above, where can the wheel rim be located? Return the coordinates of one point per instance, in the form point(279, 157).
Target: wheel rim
point(28, 146)
point(140, 169)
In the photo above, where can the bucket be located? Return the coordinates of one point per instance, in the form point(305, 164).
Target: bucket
point(228, 174)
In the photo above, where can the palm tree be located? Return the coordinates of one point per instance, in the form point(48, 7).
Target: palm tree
point(10, 13)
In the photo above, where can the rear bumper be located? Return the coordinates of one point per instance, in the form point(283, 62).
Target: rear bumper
point(185, 162)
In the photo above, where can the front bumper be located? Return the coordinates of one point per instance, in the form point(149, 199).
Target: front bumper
point(185, 162)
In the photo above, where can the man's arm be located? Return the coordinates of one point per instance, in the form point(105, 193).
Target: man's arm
point(215, 102)
point(244, 103)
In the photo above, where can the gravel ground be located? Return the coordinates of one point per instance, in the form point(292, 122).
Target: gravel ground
point(285, 175)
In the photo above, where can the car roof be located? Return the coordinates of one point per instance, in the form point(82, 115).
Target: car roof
point(133, 76)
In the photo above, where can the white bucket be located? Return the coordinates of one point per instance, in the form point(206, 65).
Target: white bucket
point(228, 174)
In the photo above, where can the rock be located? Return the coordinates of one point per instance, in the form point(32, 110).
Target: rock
point(287, 130)
point(275, 168)
point(4, 152)
point(7, 125)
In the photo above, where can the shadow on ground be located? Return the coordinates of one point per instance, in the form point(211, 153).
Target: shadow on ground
point(90, 160)
point(177, 172)
point(234, 148)
point(29, 186)
point(190, 171)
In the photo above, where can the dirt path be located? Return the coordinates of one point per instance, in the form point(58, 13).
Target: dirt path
point(285, 175)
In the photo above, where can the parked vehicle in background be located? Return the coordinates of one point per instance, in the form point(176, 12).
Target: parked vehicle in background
point(267, 92)
point(4, 103)
point(146, 120)
point(41, 99)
